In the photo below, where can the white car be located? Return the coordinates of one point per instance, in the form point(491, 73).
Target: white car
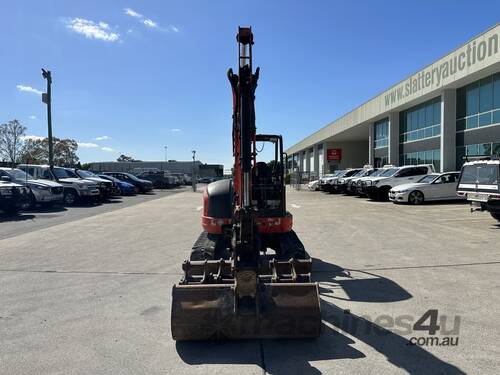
point(363, 182)
point(352, 184)
point(313, 185)
point(378, 188)
point(479, 183)
point(325, 180)
point(433, 187)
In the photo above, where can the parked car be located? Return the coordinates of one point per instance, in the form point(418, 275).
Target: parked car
point(75, 189)
point(140, 185)
point(206, 180)
point(124, 187)
point(378, 188)
point(322, 180)
point(342, 183)
point(183, 178)
point(40, 191)
point(479, 183)
point(325, 181)
point(433, 187)
point(106, 188)
point(337, 184)
point(313, 185)
point(363, 182)
point(352, 183)
point(12, 196)
point(160, 179)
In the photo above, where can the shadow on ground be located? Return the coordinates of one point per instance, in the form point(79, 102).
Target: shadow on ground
point(358, 286)
point(340, 330)
point(15, 217)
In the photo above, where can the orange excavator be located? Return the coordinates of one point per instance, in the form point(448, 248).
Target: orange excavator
point(248, 275)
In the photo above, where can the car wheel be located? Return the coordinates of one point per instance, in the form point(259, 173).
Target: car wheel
point(30, 202)
point(136, 190)
point(70, 197)
point(416, 197)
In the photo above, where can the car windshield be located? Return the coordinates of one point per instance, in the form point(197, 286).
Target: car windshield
point(360, 173)
point(351, 172)
point(388, 172)
point(106, 177)
point(18, 174)
point(63, 173)
point(428, 179)
point(85, 174)
point(484, 174)
point(131, 176)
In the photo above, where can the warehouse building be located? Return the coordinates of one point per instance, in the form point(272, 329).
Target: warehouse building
point(448, 109)
point(172, 166)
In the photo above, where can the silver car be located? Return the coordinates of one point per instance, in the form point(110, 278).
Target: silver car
point(40, 191)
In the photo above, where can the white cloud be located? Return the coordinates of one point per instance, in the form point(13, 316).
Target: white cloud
point(32, 138)
point(103, 138)
point(87, 145)
point(108, 149)
point(132, 13)
point(28, 89)
point(175, 130)
point(150, 23)
point(92, 30)
point(32, 117)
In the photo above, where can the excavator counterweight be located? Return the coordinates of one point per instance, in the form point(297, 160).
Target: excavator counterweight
point(231, 287)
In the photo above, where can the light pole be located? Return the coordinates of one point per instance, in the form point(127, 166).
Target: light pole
point(166, 158)
point(193, 179)
point(47, 99)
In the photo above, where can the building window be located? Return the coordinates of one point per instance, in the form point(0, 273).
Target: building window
point(478, 104)
point(421, 122)
point(381, 129)
point(381, 161)
point(480, 149)
point(422, 157)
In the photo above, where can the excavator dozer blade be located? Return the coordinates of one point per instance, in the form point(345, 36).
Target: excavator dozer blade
point(207, 312)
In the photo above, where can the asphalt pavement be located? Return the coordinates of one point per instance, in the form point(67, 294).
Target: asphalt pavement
point(43, 217)
point(92, 295)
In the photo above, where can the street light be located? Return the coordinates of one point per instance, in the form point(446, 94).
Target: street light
point(47, 99)
point(166, 158)
point(193, 179)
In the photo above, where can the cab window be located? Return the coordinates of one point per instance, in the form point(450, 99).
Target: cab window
point(406, 172)
point(46, 175)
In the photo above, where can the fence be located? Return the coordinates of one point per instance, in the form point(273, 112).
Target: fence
point(298, 179)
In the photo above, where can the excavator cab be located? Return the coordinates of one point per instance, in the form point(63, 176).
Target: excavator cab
point(268, 185)
point(232, 287)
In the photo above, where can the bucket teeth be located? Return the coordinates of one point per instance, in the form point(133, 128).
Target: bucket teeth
point(208, 305)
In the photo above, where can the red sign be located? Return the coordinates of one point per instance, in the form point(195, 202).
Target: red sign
point(334, 154)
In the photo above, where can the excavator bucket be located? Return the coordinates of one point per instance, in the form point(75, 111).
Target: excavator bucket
point(287, 305)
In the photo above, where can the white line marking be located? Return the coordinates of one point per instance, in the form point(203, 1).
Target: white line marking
point(295, 205)
point(199, 208)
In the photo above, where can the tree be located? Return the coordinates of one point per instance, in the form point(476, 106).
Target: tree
point(85, 166)
point(36, 151)
point(125, 158)
point(11, 140)
point(271, 164)
point(65, 152)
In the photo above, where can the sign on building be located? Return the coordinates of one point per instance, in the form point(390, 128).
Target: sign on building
point(334, 154)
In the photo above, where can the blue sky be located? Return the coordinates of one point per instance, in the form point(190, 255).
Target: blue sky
point(133, 76)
